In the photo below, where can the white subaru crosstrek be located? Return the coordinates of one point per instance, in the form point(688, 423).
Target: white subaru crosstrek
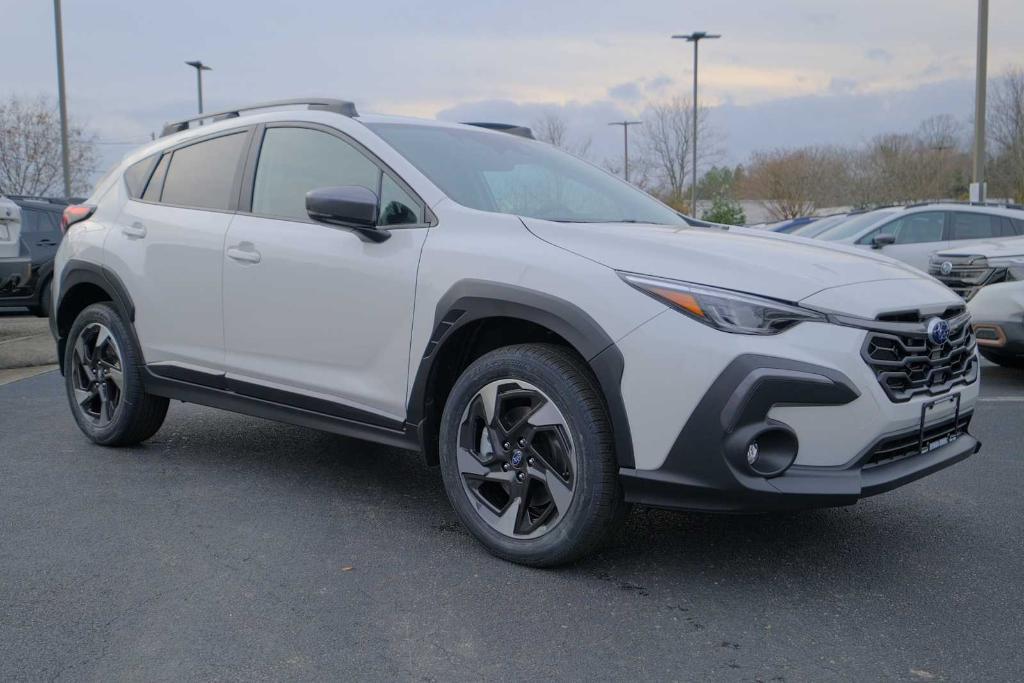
point(558, 341)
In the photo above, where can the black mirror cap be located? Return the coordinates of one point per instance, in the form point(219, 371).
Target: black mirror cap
point(351, 206)
point(880, 241)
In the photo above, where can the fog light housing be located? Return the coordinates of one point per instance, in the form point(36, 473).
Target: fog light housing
point(765, 449)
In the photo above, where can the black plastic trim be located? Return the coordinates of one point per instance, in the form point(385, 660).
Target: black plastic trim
point(289, 408)
point(77, 272)
point(471, 300)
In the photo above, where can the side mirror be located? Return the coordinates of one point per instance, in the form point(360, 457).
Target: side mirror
point(348, 206)
point(880, 241)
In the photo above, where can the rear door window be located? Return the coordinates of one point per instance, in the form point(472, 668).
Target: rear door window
point(203, 175)
point(976, 226)
point(156, 182)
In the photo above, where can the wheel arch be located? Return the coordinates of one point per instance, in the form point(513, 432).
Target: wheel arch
point(82, 284)
point(477, 316)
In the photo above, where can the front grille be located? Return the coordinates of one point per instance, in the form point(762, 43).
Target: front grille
point(911, 442)
point(967, 274)
point(907, 364)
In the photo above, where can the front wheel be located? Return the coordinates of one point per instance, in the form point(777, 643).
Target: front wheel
point(527, 455)
point(103, 377)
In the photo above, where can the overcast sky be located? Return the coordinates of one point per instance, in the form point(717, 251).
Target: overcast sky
point(786, 72)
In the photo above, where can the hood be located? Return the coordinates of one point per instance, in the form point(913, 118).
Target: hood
point(992, 249)
point(757, 261)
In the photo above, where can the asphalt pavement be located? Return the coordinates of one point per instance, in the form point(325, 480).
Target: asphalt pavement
point(232, 548)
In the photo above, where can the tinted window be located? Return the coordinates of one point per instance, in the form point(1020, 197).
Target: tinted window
point(156, 183)
point(30, 221)
point(397, 207)
point(849, 228)
point(1018, 225)
point(508, 174)
point(974, 226)
point(137, 175)
point(913, 229)
point(202, 175)
point(294, 161)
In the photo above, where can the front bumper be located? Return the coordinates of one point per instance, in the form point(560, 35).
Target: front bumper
point(707, 467)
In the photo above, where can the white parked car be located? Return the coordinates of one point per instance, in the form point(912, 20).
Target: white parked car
point(15, 266)
point(990, 276)
point(561, 343)
point(914, 233)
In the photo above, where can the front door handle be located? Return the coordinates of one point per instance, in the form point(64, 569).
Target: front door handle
point(249, 255)
point(136, 229)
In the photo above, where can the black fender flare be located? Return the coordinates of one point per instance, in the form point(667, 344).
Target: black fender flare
point(77, 272)
point(471, 300)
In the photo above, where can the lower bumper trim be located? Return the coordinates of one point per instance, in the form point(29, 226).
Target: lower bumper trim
point(800, 487)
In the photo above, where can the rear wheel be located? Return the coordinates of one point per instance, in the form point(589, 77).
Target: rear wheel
point(527, 456)
point(103, 378)
point(1007, 360)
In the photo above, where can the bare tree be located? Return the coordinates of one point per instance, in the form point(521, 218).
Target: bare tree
point(666, 144)
point(553, 129)
point(30, 152)
point(797, 182)
point(1006, 130)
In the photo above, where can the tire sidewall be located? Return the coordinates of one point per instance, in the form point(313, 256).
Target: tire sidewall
point(591, 455)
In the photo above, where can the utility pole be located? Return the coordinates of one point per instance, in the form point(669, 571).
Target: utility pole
point(62, 99)
point(978, 189)
point(200, 68)
point(695, 38)
point(625, 144)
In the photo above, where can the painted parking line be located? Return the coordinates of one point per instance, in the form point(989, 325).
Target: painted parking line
point(1001, 399)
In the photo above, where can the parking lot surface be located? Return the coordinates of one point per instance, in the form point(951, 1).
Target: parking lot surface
point(234, 548)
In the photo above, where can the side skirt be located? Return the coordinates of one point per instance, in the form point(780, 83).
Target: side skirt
point(400, 436)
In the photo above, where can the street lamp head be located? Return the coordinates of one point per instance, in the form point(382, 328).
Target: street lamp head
point(696, 35)
point(199, 65)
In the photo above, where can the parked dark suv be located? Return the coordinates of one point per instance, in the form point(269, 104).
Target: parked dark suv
point(40, 237)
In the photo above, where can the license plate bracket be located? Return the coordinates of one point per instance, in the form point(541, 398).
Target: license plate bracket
point(941, 440)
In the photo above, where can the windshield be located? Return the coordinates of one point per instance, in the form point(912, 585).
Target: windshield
point(853, 226)
point(819, 226)
point(509, 174)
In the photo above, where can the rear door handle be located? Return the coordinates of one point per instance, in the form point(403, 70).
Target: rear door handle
point(136, 229)
point(249, 255)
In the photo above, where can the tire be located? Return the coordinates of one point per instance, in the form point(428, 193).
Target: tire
point(511, 495)
point(1004, 359)
point(103, 380)
point(45, 299)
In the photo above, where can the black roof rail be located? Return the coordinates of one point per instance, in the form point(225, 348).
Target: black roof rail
point(510, 128)
point(343, 107)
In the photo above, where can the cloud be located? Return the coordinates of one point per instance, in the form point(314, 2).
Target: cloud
point(625, 91)
point(842, 86)
point(658, 83)
point(877, 54)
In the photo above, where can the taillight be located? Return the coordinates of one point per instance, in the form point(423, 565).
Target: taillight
point(74, 214)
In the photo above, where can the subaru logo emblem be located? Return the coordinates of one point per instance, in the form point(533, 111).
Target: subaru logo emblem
point(938, 331)
point(946, 267)
point(517, 457)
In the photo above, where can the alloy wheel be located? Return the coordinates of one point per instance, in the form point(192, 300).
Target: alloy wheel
point(97, 374)
point(516, 458)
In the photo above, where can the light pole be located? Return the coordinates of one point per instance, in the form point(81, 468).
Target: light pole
point(62, 98)
point(200, 68)
point(695, 38)
point(625, 144)
point(978, 190)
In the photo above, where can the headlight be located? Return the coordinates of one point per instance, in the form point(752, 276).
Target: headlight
point(1014, 266)
point(724, 309)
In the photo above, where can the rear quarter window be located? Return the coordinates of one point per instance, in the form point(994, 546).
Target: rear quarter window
point(136, 176)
